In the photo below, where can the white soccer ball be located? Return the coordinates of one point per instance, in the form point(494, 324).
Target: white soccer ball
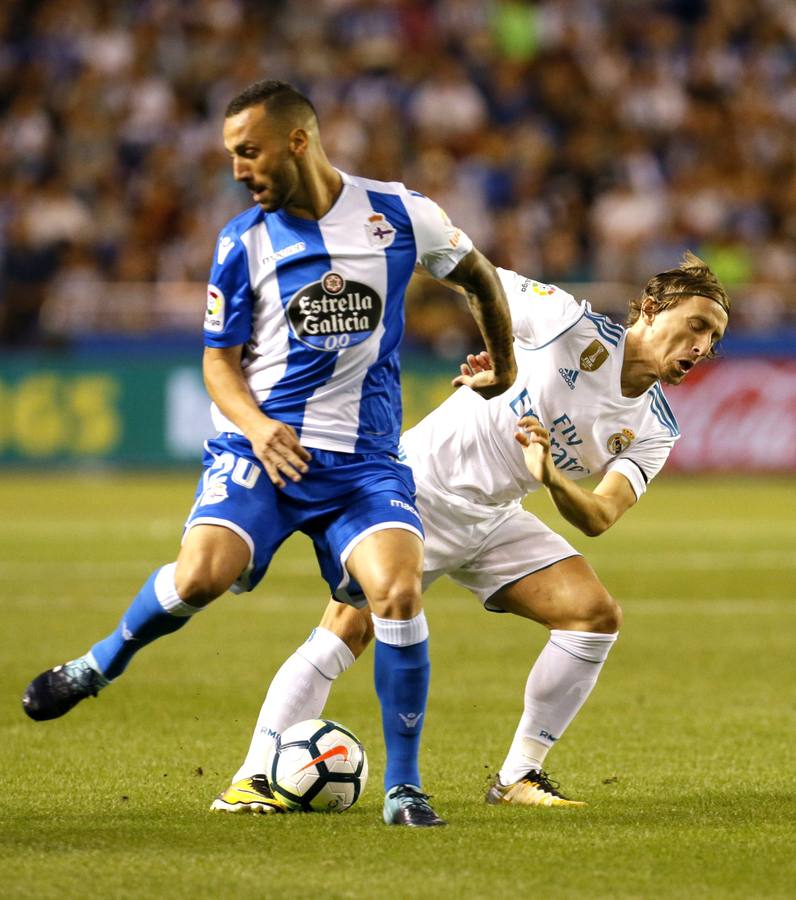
point(318, 766)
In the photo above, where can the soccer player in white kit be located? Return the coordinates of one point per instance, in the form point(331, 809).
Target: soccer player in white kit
point(587, 401)
point(303, 323)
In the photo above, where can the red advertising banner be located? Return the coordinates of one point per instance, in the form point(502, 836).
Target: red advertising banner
point(736, 415)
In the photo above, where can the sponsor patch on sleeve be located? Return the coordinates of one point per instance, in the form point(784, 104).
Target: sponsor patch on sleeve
point(216, 309)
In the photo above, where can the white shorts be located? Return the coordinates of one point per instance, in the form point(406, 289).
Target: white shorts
point(484, 548)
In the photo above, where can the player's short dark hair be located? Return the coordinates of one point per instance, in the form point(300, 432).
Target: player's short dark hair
point(692, 278)
point(278, 97)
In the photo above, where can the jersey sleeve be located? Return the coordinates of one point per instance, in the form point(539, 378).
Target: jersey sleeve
point(230, 300)
point(440, 244)
point(641, 462)
point(539, 312)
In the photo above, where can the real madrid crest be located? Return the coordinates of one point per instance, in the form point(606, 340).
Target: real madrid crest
point(620, 441)
point(379, 231)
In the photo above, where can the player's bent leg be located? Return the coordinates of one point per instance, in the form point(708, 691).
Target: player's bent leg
point(567, 596)
point(301, 687)
point(388, 566)
point(584, 620)
point(169, 597)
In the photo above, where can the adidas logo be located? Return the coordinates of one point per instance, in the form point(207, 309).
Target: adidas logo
point(570, 376)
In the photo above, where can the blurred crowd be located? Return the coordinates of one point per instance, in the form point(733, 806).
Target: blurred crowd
point(574, 140)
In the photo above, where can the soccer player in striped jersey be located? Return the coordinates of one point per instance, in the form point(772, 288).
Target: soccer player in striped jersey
point(303, 323)
point(587, 401)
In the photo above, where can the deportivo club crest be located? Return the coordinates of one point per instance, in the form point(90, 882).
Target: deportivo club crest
point(379, 231)
point(333, 283)
point(620, 441)
point(332, 313)
point(593, 357)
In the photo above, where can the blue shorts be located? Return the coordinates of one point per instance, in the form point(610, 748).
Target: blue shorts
point(342, 499)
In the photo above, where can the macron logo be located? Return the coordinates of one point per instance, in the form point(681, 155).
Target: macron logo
point(410, 720)
point(224, 247)
point(570, 376)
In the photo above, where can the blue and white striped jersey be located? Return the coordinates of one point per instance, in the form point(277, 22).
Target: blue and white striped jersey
point(569, 362)
point(318, 306)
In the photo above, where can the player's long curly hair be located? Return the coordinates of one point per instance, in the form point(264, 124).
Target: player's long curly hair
point(692, 278)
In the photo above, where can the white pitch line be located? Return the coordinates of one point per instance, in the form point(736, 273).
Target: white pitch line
point(734, 559)
point(10, 570)
point(76, 528)
point(79, 527)
point(728, 606)
point(725, 560)
point(263, 601)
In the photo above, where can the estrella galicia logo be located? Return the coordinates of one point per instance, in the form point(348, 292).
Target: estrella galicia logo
point(332, 314)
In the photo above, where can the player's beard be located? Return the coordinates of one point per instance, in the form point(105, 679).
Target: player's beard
point(272, 201)
point(282, 188)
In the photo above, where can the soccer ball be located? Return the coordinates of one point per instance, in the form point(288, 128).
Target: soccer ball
point(317, 766)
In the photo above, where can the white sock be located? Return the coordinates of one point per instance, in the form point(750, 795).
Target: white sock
point(560, 681)
point(401, 632)
point(298, 691)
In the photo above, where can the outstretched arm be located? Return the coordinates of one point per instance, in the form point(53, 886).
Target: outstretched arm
point(487, 301)
point(593, 512)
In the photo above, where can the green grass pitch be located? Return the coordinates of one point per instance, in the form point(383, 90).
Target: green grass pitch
point(684, 752)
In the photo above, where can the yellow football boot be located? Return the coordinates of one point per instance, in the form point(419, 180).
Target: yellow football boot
point(535, 789)
point(249, 795)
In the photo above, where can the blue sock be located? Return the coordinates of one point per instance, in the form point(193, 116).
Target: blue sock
point(402, 677)
point(145, 620)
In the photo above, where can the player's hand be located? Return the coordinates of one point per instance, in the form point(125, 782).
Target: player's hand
point(277, 447)
point(478, 375)
point(534, 439)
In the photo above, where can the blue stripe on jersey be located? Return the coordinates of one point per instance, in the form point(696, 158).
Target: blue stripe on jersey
point(609, 325)
point(607, 329)
point(307, 369)
point(662, 411)
point(668, 409)
point(231, 277)
point(380, 409)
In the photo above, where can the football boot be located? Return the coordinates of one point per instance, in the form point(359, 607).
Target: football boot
point(534, 789)
point(406, 804)
point(249, 795)
point(56, 691)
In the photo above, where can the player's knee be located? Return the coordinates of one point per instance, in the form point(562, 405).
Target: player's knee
point(396, 598)
point(602, 614)
point(199, 582)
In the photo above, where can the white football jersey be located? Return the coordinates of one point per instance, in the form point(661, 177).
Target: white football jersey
point(318, 306)
point(569, 362)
